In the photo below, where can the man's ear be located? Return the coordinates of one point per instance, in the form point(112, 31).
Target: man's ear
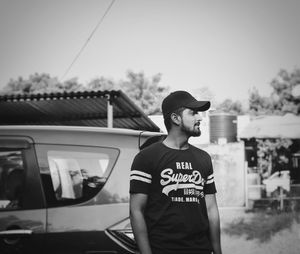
point(176, 119)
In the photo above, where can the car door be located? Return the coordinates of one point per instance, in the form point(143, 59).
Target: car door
point(72, 176)
point(22, 210)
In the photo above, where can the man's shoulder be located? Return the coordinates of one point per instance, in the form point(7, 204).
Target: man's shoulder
point(199, 151)
point(146, 155)
point(152, 148)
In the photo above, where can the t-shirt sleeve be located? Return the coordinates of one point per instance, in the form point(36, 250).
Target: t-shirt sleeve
point(209, 186)
point(140, 174)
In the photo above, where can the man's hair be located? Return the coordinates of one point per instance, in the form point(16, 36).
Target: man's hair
point(168, 120)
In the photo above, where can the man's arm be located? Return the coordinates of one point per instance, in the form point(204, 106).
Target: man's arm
point(137, 206)
point(214, 222)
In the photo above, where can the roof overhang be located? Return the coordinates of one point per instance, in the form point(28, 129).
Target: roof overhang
point(287, 126)
point(88, 108)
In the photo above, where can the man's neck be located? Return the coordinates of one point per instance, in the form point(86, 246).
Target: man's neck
point(175, 141)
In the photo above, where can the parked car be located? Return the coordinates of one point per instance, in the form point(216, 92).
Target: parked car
point(66, 189)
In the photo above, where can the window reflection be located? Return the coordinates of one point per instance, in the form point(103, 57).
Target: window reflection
point(11, 179)
point(76, 175)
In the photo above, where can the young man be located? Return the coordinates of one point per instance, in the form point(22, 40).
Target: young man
point(173, 207)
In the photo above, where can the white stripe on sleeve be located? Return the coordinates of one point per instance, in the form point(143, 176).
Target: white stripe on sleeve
point(210, 179)
point(210, 176)
point(140, 178)
point(140, 173)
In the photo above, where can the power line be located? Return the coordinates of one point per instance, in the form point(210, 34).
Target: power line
point(88, 39)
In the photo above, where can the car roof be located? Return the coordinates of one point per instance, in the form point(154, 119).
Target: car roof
point(66, 134)
point(70, 128)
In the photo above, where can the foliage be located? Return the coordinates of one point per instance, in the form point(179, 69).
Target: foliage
point(145, 92)
point(102, 83)
point(70, 85)
point(283, 99)
point(270, 152)
point(260, 105)
point(261, 226)
point(231, 106)
point(40, 83)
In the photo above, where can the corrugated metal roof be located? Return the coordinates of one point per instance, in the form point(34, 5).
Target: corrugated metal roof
point(87, 108)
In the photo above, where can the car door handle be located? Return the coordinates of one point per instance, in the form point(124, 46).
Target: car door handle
point(15, 233)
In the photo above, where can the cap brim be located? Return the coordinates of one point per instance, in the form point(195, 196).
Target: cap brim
point(199, 105)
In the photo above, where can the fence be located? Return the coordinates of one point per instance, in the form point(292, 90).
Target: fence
point(285, 198)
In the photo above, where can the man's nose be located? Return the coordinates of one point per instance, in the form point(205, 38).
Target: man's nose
point(199, 116)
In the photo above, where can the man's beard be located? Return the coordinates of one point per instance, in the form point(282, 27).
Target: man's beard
point(195, 132)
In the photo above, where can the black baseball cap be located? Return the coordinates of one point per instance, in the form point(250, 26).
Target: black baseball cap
point(178, 99)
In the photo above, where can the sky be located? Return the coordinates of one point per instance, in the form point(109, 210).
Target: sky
point(229, 46)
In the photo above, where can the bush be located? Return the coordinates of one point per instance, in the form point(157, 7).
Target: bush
point(261, 226)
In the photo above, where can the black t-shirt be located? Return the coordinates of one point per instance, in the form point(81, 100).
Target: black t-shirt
point(176, 182)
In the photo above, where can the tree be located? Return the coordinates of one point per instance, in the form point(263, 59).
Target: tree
point(259, 104)
point(231, 106)
point(144, 92)
point(283, 86)
point(283, 99)
point(271, 154)
point(103, 83)
point(70, 85)
point(40, 83)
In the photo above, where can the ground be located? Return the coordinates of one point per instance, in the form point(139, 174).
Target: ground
point(284, 240)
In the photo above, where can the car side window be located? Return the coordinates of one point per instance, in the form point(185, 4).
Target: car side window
point(12, 179)
point(73, 174)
